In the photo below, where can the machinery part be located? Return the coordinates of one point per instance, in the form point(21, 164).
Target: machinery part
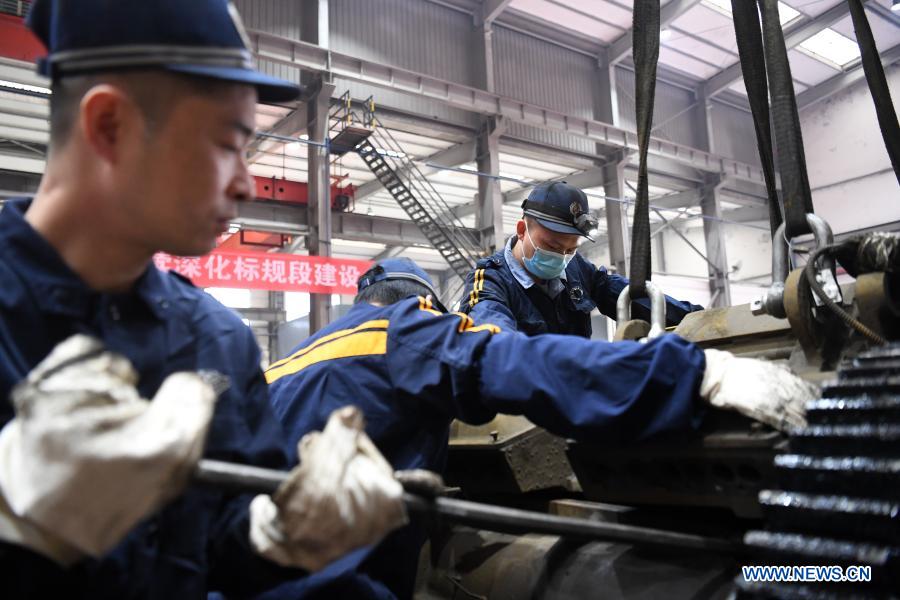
point(736, 330)
point(497, 518)
point(725, 469)
point(507, 456)
point(837, 500)
point(465, 564)
point(811, 272)
point(772, 302)
point(657, 310)
point(875, 305)
point(635, 329)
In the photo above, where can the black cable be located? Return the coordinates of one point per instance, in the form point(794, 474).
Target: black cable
point(878, 86)
point(810, 273)
point(645, 24)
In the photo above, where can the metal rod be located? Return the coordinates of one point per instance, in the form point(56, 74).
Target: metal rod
point(247, 478)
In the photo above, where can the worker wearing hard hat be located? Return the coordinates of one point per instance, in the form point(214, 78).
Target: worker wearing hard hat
point(538, 283)
point(412, 368)
point(153, 104)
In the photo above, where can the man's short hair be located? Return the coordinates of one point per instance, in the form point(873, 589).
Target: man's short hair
point(154, 91)
point(389, 291)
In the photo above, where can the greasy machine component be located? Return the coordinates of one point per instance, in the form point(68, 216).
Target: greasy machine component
point(838, 495)
point(507, 456)
point(771, 303)
point(725, 467)
point(481, 565)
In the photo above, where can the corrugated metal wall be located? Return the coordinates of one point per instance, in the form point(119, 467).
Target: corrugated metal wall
point(535, 71)
point(733, 133)
point(670, 101)
point(281, 17)
point(419, 36)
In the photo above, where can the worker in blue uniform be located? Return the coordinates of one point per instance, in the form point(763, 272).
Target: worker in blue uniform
point(152, 106)
point(412, 368)
point(539, 283)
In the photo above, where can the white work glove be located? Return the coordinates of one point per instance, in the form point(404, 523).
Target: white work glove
point(342, 496)
point(86, 458)
point(758, 389)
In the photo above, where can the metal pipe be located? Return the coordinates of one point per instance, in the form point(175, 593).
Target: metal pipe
point(245, 478)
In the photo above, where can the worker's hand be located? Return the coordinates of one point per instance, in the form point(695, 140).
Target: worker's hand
point(760, 390)
point(86, 458)
point(342, 496)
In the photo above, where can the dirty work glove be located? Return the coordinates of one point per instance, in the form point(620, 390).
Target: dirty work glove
point(760, 390)
point(342, 496)
point(86, 458)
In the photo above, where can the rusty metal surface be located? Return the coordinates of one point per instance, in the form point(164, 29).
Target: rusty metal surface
point(521, 459)
point(633, 329)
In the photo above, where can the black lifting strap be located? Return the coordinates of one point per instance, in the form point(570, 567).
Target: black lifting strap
point(881, 94)
point(753, 65)
point(646, 54)
point(791, 158)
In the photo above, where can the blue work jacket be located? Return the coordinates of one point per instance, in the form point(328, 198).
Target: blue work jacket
point(412, 370)
point(499, 291)
point(163, 325)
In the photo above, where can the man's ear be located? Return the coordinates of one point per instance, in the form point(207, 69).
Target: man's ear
point(520, 229)
point(106, 116)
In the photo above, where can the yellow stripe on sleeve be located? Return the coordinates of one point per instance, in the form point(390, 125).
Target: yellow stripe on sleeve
point(477, 286)
point(376, 324)
point(362, 343)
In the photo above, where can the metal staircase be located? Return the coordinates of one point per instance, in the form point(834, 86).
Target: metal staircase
point(402, 178)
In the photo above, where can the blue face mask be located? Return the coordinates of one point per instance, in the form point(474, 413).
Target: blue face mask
point(545, 264)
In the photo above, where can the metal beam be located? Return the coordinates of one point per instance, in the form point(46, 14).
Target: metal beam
point(319, 206)
point(491, 9)
point(291, 125)
point(717, 258)
point(621, 48)
point(282, 217)
point(843, 81)
point(794, 35)
point(307, 56)
point(23, 164)
point(389, 252)
point(489, 214)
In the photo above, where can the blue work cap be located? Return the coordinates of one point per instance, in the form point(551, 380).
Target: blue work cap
point(204, 38)
point(560, 207)
point(398, 268)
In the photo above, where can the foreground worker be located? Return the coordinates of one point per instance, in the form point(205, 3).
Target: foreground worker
point(152, 106)
point(412, 369)
point(538, 283)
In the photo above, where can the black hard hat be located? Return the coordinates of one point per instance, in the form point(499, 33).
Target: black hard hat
point(560, 207)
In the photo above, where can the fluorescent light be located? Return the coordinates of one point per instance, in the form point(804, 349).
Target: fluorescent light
point(24, 87)
point(665, 34)
point(294, 146)
point(895, 6)
point(390, 153)
point(786, 14)
point(831, 46)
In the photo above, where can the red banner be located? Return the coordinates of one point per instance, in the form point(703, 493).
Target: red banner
point(263, 271)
